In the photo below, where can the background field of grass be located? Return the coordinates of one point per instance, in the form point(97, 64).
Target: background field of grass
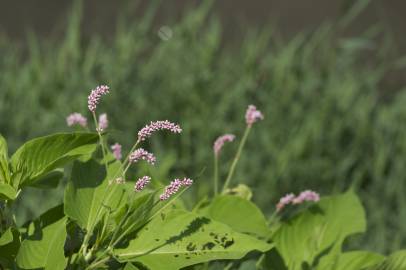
point(334, 114)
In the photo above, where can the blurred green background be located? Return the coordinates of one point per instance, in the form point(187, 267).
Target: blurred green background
point(332, 92)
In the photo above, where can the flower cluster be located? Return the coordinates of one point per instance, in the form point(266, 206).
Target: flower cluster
point(103, 122)
point(76, 119)
point(174, 187)
point(116, 148)
point(95, 95)
point(147, 131)
point(253, 115)
point(139, 154)
point(304, 196)
point(218, 144)
point(141, 183)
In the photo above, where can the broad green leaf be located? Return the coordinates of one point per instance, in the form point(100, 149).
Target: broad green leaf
point(271, 260)
point(354, 260)
point(4, 165)
point(319, 230)
point(6, 237)
point(238, 213)
point(396, 261)
point(36, 158)
point(8, 251)
point(7, 192)
point(50, 180)
point(89, 189)
point(130, 266)
point(178, 239)
point(45, 250)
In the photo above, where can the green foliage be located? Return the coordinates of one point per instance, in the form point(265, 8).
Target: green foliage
point(186, 239)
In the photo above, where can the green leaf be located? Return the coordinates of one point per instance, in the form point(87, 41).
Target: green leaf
point(130, 266)
point(44, 250)
point(36, 158)
point(238, 213)
point(4, 165)
point(353, 260)
point(87, 189)
point(396, 261)
point(7, 192)
point(8, 252)
point(178, 239)
point(319, 230)
point(6, 237)
point(50, 180)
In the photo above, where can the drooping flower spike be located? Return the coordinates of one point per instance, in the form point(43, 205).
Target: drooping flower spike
point(148, 130)
point(103, 122)
point(95, 96)
point(304, 196)
point(218, 144)
point(76, 119)
point(116, 148)
point(141, 183)
point(139, 154)
point(174, 187)
point(253, 115)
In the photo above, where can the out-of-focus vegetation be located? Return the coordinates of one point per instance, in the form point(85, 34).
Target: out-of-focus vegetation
point(331, 121)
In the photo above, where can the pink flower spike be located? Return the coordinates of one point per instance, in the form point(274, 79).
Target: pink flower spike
point(141, 183)
point(306, 196)
point(174, 187)
point(285, 200)
point(253, 115)
point(95, 96)
point(148, 130)
point(76, 119)
point(103, 122)
point(218, 144)
point(116, 148)
point(139, 154)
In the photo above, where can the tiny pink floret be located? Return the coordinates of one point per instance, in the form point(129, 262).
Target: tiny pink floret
point(141, 154)
point(285, 200)
point(253, 115)
point(142, 183)
point(148, 130)
point(174, 187)
point(306, 196)
point(218, 144)
point(76, 119)
point(116, 148)
point(95, 95)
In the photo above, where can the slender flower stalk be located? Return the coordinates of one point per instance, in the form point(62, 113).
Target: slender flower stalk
point(116, 148)
point(142, 183)
point(141, 154)
point(103, 122)
point(218, 144)
point(252, 115)
point(76, 119)
point(148, 130)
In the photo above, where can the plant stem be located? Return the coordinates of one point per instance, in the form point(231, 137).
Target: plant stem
point(216, 175)
point(97, 263)
point(236, 158)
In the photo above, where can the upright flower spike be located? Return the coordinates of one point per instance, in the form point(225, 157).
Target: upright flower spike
point(218, 144)
point(253, 115)
point(103, 122)
point(148, 130)
point(95, 96)
point(76, 119)
point(141, 183)
point(116, 148)
point(306, 196)
point(139, 154)
point(285, 200)
point(174, 187)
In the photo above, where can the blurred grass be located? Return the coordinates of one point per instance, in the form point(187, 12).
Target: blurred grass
point(332, 119)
